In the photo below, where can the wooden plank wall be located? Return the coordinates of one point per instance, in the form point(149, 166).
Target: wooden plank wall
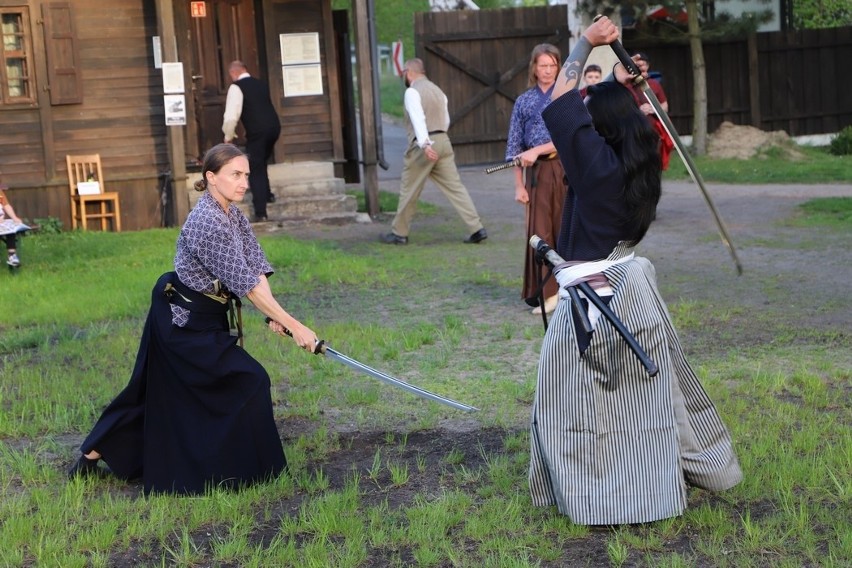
point(21, 147)
point(122, 113)
point(801, 85)
point(805, 81)
point(308, 129)
point(796, 76)
point(480, 60)
point(121, 118)
point(727, 94)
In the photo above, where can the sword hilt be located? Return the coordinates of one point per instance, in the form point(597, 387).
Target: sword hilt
point(625, 58)
point(505, 166)
point(320, 346)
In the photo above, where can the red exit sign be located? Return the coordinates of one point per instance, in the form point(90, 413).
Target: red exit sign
point(198, 9)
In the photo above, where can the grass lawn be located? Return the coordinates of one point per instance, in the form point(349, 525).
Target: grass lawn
point(381, 478)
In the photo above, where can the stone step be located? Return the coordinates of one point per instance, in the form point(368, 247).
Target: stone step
point(310, 206)
point(304, 191)
point(342, 219)
point(306, 208)
point(291, 172)
point(308, 187)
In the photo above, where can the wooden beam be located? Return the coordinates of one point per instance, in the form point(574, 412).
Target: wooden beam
point(174, 134)
point(45, 109)
point(364, 50)
point(333, 82)
point(753, 81)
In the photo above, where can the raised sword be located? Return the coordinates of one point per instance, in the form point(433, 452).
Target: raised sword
point(682, 151)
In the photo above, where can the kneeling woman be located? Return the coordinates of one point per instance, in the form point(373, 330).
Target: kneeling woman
point(611, 445)
point(197, 411)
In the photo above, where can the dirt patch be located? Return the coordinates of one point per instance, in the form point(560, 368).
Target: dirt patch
point(436, 461)
point(781, 262)
point(744, 142)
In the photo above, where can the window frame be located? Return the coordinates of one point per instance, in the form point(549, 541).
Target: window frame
point(6, 99)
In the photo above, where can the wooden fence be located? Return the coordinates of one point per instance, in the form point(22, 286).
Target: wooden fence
point(480, 59)
point(791, 81)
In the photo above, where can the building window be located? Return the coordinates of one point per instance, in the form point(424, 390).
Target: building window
point(16, 67)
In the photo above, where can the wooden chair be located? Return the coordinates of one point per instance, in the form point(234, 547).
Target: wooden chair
point(102, 206)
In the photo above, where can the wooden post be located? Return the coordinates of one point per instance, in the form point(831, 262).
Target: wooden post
point(364, 49)
point(174, 134)
point(753, 81)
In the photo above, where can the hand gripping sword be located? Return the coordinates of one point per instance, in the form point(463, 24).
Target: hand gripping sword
point(639, 80)
point(323, 349)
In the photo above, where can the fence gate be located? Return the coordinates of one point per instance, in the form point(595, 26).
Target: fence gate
point(480, 60)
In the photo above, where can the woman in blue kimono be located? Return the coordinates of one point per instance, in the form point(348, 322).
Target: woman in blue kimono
point(197, 411)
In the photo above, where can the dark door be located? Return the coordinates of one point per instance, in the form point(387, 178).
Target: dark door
point(224, 34)
point(351, 168)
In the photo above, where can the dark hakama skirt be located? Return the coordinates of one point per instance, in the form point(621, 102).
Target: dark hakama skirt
point(609, 444)
point(197, 411)
point(546, 188)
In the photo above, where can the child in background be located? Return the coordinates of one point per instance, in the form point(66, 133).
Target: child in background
point(6, 209)
point(592, 75)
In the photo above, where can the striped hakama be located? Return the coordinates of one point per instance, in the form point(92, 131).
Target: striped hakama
point(609, 444)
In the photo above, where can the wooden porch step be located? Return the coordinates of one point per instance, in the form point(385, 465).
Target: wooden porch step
point(305, 192)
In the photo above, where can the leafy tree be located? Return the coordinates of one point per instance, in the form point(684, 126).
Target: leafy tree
point(815, 14)
point(394, 20)
point(700, 25)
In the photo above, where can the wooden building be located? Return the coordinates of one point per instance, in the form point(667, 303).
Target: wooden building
point(85, 76)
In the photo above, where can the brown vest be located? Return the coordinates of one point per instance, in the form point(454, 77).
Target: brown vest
point(434, 106)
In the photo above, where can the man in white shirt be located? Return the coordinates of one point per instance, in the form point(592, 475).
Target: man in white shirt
point(248, 101)
point(429, 156)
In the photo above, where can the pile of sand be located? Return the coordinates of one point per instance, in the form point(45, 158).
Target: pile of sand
point(744, 142)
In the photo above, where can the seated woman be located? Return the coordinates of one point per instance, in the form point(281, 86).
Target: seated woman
point(609, 444)
point(198, 411)
point(10, 238)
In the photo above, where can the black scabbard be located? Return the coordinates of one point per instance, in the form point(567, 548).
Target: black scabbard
point(643, 357)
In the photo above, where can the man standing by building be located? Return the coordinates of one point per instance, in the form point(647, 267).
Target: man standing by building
point(248, 101)
point(429, 156)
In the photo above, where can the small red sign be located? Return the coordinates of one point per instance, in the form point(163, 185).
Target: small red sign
point(198, 9)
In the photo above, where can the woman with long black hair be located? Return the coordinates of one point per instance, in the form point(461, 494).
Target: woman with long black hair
point(609, 444)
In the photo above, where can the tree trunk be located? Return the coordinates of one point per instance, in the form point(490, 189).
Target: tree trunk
point(699, 81)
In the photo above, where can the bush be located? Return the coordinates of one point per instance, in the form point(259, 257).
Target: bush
point(49, 225)
point(841, 145)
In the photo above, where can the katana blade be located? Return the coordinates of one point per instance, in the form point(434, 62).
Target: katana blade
point(631, 66)
point(324, 349)
point(385, 378)
point(692, 169)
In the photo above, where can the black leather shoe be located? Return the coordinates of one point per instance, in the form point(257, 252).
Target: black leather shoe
point(393, 239)
point(477, 237)
point(271, 198)
point(259, 219)
point(84, 467)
